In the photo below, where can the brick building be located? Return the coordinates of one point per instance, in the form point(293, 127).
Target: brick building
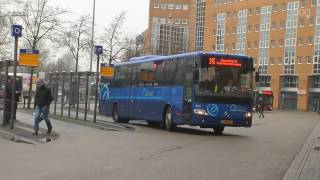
point(283, 37)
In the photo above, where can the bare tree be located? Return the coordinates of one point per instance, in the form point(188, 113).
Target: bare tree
point(4, 33)
point(133, 47)
point(40, 21)
point(65, 63)
point(112, 40)
point(77, 38)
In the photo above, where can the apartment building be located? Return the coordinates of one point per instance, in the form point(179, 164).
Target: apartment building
point(282, 36)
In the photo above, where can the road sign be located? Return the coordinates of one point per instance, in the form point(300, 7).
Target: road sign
point(106, 70)
point(16, 30)
point(99, 50)
point(29, 57)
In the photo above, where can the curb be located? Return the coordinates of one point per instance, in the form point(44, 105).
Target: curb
point(298, 164)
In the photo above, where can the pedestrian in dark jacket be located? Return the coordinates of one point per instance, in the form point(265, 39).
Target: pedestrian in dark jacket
point(7, 103)
point(42, 101)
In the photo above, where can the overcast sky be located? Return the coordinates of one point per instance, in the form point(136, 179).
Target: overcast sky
point(136, 18)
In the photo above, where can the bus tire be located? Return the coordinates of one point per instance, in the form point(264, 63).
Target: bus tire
point(115, 115)
point(218, 129)
point(168, 120)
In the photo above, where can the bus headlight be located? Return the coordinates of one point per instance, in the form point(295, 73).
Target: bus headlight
point(248, 115)
point(201, 112)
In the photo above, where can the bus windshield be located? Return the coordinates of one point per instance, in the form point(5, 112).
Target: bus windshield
point(224, 78)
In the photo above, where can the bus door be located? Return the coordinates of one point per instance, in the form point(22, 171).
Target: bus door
point(133, 85)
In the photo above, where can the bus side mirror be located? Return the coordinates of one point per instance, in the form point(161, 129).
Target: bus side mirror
point(257, 76)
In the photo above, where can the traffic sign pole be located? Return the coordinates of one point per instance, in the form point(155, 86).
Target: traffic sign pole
point(99, 51)
point(16, 32)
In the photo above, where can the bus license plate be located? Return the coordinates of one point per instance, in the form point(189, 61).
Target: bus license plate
point(226, 122)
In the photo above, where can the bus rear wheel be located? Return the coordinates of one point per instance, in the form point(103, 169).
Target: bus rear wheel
point(115, 116)
point(218, 129)
point(168, 120)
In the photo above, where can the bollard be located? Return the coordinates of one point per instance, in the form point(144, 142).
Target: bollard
point(86, 98)
point(77, 98)
point(70, 93)
point(56, 88)
point(62, 93)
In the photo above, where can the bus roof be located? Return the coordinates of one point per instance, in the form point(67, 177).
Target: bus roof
point(149, 58)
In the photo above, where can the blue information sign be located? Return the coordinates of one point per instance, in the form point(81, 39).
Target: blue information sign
point(99, 50)
point(16, 30)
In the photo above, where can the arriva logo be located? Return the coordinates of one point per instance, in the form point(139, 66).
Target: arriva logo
point(212, 110)
point(105, 92)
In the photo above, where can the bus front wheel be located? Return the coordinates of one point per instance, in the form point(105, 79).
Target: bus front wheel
point(168, 120)
point(115, 115)
point(218, 129)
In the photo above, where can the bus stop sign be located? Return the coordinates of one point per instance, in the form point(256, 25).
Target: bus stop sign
point(29, 57)
point(16, 30)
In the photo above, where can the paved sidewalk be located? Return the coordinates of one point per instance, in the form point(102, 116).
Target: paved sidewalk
point(23, 127)
point(306, 165)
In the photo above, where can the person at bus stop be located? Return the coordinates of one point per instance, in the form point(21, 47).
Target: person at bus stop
point(7, 105)
point(230, 87)
point(42, 101)
point(261, 107)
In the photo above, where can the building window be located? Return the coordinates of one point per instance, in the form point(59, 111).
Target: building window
point(282, 24)
point(301, 22)
point(184, 21)
point(185, 7)
point(249, 28)
point(274, 25)
point(156, 5)
point(257, 10)
point(163, 20)
point(311, 21)
point(272, 61)
point(155, 20)
point(178, 6)
point(308, 59)
point(250, 12)
point(299, 58)
point(290, 82)
point(170, 6)
point(302, 3)
point(310, 40)
point(280, 60)
point(235, 14)
point(234, 30)
point(163, 6)
point(265, 81)
point(249, 45)
point(273, 43)
point(300, 41)
point(227, 47)
point(313, 2)
point(281, 42)
point(177, 21)
point(233, 46)
point(283, 6)
point(256, 28)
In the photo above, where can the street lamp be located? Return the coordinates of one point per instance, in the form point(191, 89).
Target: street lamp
point(92, 33)
point(170, 21)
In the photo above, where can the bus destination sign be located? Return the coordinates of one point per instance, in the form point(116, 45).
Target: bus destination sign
point(213, 61)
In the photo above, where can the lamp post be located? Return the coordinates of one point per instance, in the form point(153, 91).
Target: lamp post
point(92, 33)
point(170, 33)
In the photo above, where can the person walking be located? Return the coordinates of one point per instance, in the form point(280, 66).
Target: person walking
point(261, 107)
point(42, 101)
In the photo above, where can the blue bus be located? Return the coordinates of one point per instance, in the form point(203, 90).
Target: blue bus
point(205, 89)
